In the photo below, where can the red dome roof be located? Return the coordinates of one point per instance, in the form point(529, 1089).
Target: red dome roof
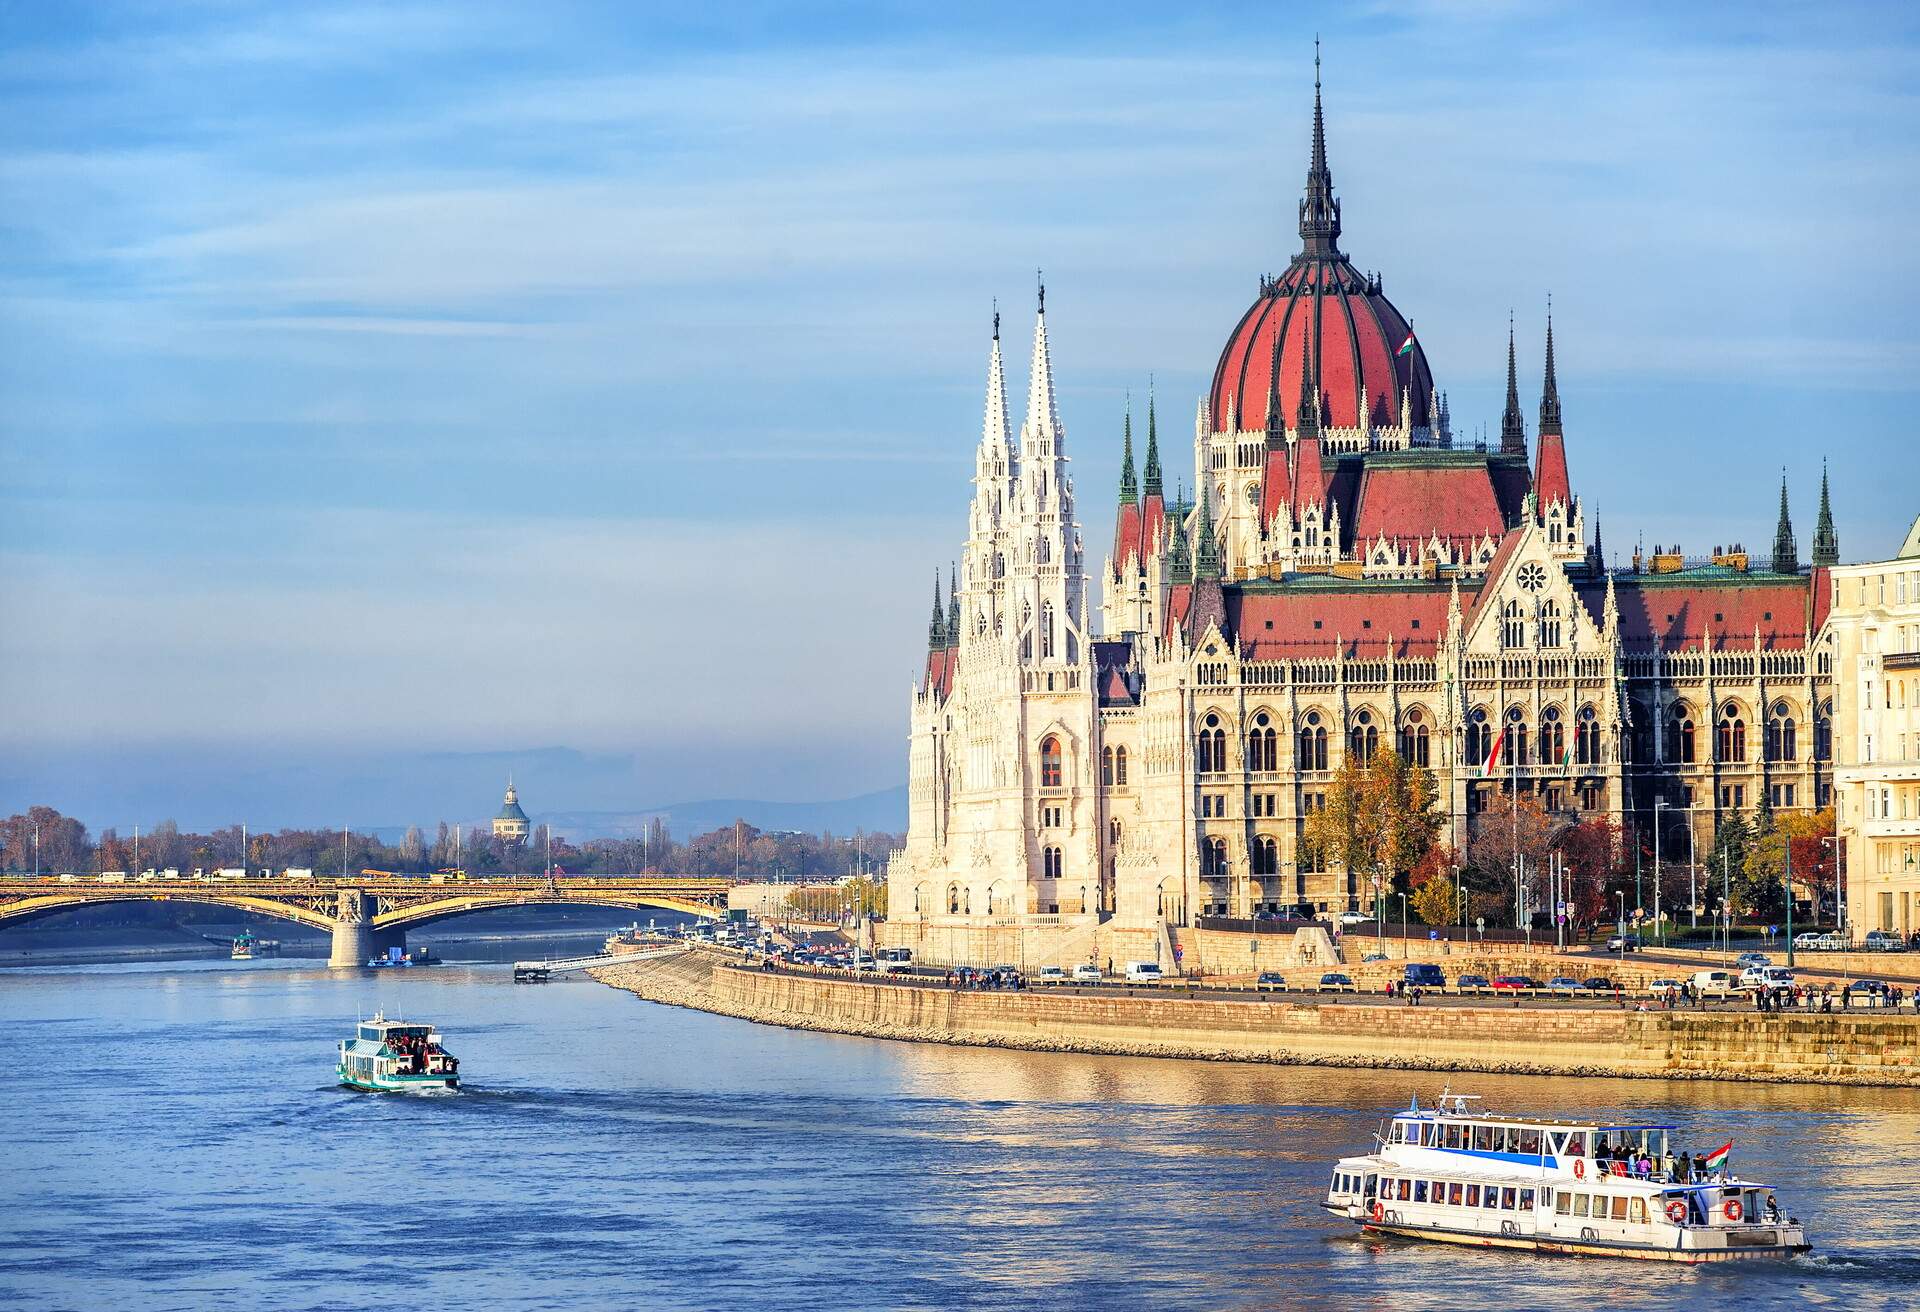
point(1355, 334)
point(1321, 303)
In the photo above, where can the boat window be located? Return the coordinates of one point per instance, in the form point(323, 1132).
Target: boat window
point(1371, 1182)
point(1546, 1198)
point(1601, 1144)
point(1489, 1198)
point(1657, 1143)
point(1638, 1213)
point(1620, 1208)
point(1526, 1200)
point(1399, 1134)
point(1473, 1195)
point(1577, 1143)
point(1580, 1202)
point(1485, 1139)
point(1509, 1199)
point(1419, 1191)
point(1564, 1205)
point(1530, 1142)
point(1406, 1190)
point(1453, 1194)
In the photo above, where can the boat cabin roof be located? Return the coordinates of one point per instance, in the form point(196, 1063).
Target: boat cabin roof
point(1453, 1109)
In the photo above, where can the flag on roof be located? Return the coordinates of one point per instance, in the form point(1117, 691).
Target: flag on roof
point(1406, 347)
point(1714, 1160)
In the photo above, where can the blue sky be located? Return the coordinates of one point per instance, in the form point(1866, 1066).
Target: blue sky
point(424, 382)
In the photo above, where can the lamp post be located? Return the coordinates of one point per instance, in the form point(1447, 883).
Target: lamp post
point(1833, 841)
point(1621, 938)
point(36, 849)
point(1787, 865)
point(1403, 926)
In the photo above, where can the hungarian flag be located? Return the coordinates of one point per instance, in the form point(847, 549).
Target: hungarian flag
point(1493, 757)
point(1716, 1159)
point(1406, 347)
point(1566, 757)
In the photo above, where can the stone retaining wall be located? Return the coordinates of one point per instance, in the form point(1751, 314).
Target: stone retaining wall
point(1837, 1049)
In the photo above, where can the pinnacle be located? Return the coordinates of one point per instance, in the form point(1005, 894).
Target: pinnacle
point(1513, 429)
point(1129, 491)
point(1550, 389)
point(1152, 486)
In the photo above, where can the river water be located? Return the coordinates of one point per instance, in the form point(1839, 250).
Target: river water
point(173, 1139)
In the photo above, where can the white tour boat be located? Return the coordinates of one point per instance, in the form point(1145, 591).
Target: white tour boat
point(1458, 1176)
point(391, 1056)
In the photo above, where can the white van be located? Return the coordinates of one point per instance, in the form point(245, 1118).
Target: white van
point(896, 961)
point(1143, 972)
point(1715, 983)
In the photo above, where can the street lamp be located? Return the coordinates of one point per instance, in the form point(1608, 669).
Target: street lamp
point(1403, 926)
point(1621, 938)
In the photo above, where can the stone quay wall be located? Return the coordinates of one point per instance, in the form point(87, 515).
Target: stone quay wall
point(1869, 1049)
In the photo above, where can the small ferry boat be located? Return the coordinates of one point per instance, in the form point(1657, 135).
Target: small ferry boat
point(247, 945)
point(243, 946)
point(1458, 1176)
point(390, 1056)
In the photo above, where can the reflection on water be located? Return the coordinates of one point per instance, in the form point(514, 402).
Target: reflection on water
point(175, 1140)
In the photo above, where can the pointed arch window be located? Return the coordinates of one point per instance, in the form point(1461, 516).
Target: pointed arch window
point(1516, 747)
point(1266, 856)
point(1414, 739)
point(1586, 749)
point(1782, 734)
point(1733, 734)
point(1263, 744)
point(1312, 751)
point(1210, 746)
point(1046, 629)
point(1513, 625)
point(953, 899)
point(1553, 737)
point(1479, 737)
point(1050, 762)
point(1119, 767)
point(1215, 859)
point(1050, 862)
point(1363, 739)
point(1550, 623)
point(1823, 732)
point(1106, 767)
point(1680, 736)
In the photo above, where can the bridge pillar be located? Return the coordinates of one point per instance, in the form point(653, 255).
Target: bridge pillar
point(355, 941)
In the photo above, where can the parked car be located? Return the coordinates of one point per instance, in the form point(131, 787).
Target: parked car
point(1348, 919)
point(1766, 977)
point(1884, 940)
point(1624, 943)
point(1051, 975)
point(1660, 986)
point(1271, 981)
point(1372, 957)
point(1870, 992)
point(1811, 941)
point(1563, 984)
point(1472, 984)
point(1598, 984)
point(1716, 983)
point(1334, 982)
point(1084, 974)
point(1515, 984)
point(1753, 959)
point(1425, 975)
point(1143, 972)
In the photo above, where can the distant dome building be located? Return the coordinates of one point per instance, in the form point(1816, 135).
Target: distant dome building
point(511, 825)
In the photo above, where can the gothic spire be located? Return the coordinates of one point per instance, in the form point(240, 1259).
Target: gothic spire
point(1319, 211)
point(1307, 419)
point(1206, 549)
point(1276, 421)
point(1152, 485)
point(1129, 490)
point(1786, 552)
point(1513, 429)
point(1043, 416)
point(1550, 389)
point(953, 605)
point(1179, 562)
point(996, 434)
point(937, 631)
point(1826, 543)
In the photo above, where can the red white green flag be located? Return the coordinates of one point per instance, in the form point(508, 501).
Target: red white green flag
point(1493, 757)
point(1714, 1160)
point(1406, 347)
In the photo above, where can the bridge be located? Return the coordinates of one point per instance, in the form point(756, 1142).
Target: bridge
point(367, 915)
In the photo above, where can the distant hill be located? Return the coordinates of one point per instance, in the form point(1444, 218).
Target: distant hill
point(885, 810)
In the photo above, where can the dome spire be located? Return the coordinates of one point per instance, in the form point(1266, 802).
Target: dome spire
point(1206, 548)
point(1513, 429)
point(1307, 422)
point(1319, 211)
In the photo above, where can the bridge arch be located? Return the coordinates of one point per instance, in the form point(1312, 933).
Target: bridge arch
point(22, 910)
point(421, 914)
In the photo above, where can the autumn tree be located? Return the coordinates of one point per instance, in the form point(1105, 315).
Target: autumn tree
point(1511, 825)
point(1379, 820)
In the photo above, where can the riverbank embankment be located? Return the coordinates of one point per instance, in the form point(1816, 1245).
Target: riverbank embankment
point(1861, 1049)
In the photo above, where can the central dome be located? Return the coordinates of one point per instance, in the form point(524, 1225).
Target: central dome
point(1324, 305)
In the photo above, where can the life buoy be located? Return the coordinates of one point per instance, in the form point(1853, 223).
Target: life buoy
point(1579, 1169)
point(1379, 1212)
point(1733, 1210)
point(1676, 1211)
